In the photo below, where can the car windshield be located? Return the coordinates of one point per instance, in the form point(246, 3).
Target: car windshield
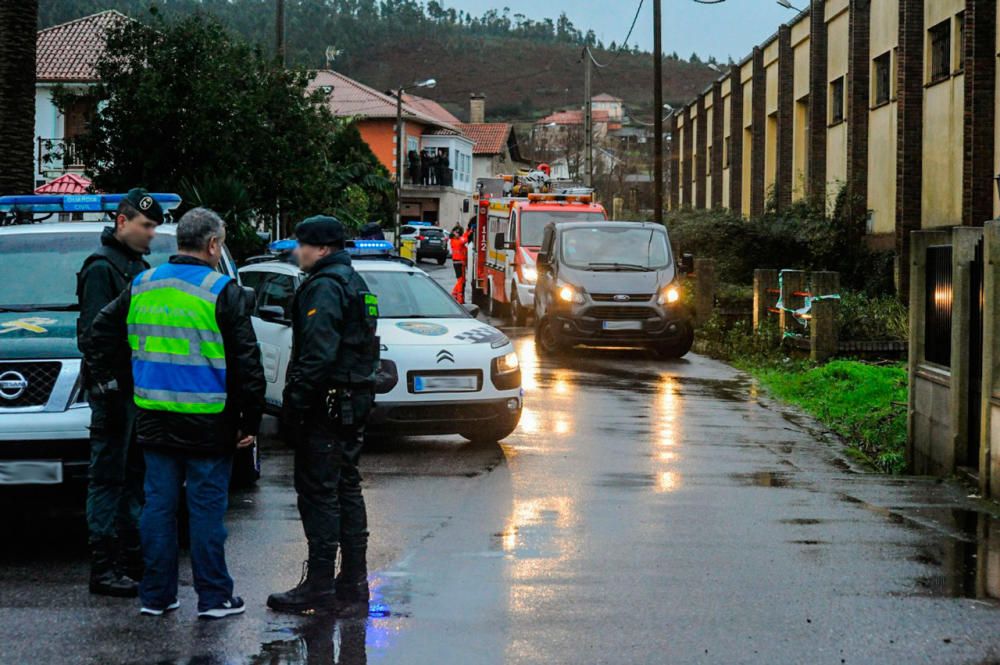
point(432, 233)
point(410, 295)
point(533, 223)
point(615, 248)
point(60, 255)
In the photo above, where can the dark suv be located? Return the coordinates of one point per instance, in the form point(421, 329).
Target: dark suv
point(609, 283)
point(432, 242)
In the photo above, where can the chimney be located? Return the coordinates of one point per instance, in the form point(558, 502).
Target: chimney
point(477, 108)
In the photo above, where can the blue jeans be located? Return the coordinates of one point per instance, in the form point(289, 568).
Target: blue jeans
point(206, 480)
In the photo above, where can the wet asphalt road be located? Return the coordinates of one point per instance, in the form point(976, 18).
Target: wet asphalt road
point(644, 512)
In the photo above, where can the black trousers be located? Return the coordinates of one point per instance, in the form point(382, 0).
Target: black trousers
point(114, 494)
point(328, 482)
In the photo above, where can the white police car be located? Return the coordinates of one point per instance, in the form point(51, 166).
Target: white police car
point(442, 372)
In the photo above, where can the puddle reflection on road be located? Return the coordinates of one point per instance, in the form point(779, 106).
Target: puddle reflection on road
point(320, 640)
point(966, 563)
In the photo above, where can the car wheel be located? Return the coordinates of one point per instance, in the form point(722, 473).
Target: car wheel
point(494, 432)
point(518, 313)
point(679, 347)
point(547, 339)
point(246, 467)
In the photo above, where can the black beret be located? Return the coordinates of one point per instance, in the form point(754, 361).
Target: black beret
point(146, 204)
point(320, 230)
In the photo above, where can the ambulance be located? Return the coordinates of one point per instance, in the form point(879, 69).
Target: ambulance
point(512, 213)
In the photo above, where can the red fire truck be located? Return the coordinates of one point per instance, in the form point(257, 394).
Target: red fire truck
point(509, 224)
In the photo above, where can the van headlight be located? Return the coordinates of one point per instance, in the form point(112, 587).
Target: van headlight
point(529, 274)
point(507, 363)
point(571, 294)
point(669, 296)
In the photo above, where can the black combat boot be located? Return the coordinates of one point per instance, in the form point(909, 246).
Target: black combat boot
point(130, 555)
point(105, 578)
point(313, 593)
point(352, 584)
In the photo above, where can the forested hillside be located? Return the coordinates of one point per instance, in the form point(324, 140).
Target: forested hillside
point(527, 66)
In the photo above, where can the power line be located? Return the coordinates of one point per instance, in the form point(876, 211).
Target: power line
point(622, 46)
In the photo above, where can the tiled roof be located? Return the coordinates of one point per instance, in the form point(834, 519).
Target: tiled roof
point(350, 98)
point(605, 97)
point(70, 183)
point(430, 108)
point(69, 52)
point(490, 137)
point(573, 117)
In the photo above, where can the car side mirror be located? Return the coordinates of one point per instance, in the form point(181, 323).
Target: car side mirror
point(687, 263)
point(473, 310)
point(273, 314)
point(499, 241)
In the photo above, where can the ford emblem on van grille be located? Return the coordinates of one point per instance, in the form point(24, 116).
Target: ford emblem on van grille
point(622, 298)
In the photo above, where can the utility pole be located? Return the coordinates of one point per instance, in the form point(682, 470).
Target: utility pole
point(588, 120)
point(399, 165)
point(279, 29)
point(657, 115)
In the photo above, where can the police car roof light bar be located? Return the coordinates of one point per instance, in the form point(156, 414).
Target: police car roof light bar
point(42, 203)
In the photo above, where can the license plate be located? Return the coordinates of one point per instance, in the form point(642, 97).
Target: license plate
point(31, 473)
point(623, 325)
point(445, 384)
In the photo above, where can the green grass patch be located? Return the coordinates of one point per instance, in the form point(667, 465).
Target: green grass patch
point(864, 404)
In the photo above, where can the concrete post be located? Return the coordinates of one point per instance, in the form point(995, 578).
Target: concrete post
point(989, 464)
point(704, 294)
point(919, 242)
point(617, 207)
point(964, 241)
point(765, 283)
point(823, 337)
point(792, 282)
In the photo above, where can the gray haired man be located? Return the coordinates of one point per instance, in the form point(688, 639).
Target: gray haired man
point(199, 388)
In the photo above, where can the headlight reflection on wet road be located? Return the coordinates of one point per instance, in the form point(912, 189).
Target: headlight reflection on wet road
point(666, 417)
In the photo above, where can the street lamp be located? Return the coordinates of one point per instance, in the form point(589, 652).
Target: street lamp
point(429, 83)
point(788, 5)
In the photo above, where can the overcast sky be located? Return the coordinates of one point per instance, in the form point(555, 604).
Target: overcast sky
point(731, 28)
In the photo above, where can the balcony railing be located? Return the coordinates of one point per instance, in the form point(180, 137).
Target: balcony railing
point(58, 155)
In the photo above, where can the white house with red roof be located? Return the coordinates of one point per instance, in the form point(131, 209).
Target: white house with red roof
point(496, 151)
point(67, 55)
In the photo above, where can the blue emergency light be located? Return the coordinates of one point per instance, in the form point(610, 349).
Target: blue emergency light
point(353, 247)
point(47, 203)
point(286, 245)
point(369, 247)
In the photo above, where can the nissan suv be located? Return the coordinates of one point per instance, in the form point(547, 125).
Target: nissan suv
point(44, 415)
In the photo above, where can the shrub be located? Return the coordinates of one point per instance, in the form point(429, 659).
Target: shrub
point(864, 317)
point(802, 236)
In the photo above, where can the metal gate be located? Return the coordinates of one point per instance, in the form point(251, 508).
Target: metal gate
point(938, 299)
point(975, 356)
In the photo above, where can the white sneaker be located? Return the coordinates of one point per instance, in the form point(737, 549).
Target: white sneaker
point(234, 605)
point(152, 612)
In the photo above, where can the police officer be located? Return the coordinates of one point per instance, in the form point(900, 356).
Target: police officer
point(328, 395)
point(114, 495)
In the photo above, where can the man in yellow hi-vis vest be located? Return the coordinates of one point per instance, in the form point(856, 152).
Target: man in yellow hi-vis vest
point(199, 387)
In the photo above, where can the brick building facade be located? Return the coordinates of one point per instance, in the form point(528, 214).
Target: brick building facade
point(894, 100)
